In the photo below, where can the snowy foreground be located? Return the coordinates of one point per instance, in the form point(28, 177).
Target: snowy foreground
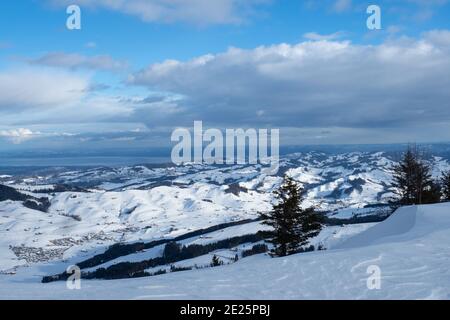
point(411, 249)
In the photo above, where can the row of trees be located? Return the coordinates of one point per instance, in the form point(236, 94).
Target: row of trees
point(413, 181)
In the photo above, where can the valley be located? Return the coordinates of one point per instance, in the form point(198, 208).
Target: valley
point(116, 222)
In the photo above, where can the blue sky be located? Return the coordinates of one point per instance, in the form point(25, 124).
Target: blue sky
point(137, 69)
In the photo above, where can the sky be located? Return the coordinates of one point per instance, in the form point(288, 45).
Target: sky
point(138, 69)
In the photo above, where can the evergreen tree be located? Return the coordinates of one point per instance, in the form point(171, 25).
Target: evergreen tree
point(292, 225)
point(215, 262)
point(403, 176)
point(413, 180)
point(446, 186)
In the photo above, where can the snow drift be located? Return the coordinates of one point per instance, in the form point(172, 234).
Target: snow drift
point(407, 223)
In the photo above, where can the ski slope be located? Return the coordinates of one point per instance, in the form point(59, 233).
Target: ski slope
point(411, 249)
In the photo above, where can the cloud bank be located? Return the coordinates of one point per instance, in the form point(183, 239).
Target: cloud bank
point(321, 90)
point(314, 84)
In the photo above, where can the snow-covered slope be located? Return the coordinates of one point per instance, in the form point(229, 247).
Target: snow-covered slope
point(81, 223)
point(93, 208)
point(408, 223)
point(411, 250)
point(333, 181)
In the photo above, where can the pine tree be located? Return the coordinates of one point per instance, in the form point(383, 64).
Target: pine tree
point(292, 225)
point(446, 186)
point(404, 175)
point(413, 181)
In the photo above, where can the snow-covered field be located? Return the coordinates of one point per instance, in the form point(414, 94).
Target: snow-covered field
point(92, 208)
point(411, 250)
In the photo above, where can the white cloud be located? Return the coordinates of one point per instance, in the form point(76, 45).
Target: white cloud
point(18, 136)
point(439, 37)
point(42, 95)
point(167, 11)
point(321, 37)
point(77, 61)
point(318, 84)
point(39, 88)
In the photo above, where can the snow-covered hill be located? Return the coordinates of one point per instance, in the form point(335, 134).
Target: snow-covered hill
point(93, 208)
point(410, 249)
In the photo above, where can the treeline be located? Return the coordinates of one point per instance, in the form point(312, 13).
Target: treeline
point(357, 219)
point(59, 188)
point(256, 249)
point(413, 181)
point(173, 252)
point(119, 249)
point(8, 193)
